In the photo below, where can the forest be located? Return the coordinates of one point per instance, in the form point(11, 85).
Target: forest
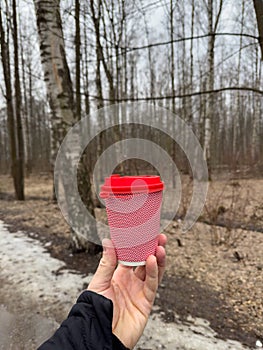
point(195, 68)
point(201, 60)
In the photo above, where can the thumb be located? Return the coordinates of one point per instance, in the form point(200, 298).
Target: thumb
point(103, 275)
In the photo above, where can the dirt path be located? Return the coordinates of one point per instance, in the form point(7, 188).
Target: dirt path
point(37, 291)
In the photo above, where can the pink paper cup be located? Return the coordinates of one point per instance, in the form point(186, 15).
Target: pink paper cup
point(133, 205)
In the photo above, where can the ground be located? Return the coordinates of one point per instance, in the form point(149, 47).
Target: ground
point(214, 271)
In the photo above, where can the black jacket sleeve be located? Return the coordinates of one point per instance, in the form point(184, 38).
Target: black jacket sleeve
point(88, 326)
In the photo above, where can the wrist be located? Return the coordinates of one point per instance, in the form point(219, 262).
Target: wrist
point(129, 338)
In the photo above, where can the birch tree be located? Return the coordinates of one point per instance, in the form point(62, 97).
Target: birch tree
point(56, 70)
point(258, 5)
point(237, 116)
point(61, 100)
point(213, 21)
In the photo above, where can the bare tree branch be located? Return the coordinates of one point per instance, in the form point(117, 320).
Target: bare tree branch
point(218, 15)
point(196, 93)
point(136, 48)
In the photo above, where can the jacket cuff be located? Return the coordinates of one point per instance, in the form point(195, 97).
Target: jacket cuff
point(117, 344)
point(103, 311)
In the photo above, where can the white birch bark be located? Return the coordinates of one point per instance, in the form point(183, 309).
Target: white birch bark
point(212, 28)
point(210, 85)
point(56, 72)
point(255, 146)
point(236, 118)
point(258, 5)
point(60, 95)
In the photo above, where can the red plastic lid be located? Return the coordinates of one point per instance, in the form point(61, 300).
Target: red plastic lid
point(131, 184)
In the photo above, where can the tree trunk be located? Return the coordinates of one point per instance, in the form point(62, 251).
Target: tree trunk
point(77, 58)
point(172, 53)
point(32, 122)
point(255, 144)
point(97, 16)
point(60, 95)
point(27, 138)
point(190, 116)
point(5, 56)
point(212, 28)
point(96, 22)
point(150, 59)
point(236, 118)
point(173, 149)
point(85, 67)
point(208, 116)
point(19, 130)
point(56, 71)
point(258, 5)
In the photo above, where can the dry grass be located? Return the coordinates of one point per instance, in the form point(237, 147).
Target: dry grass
point(225, 258)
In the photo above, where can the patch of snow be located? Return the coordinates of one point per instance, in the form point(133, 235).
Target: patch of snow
point(35, 298)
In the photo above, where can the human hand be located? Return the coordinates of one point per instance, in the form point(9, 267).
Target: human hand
point(132, 291)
